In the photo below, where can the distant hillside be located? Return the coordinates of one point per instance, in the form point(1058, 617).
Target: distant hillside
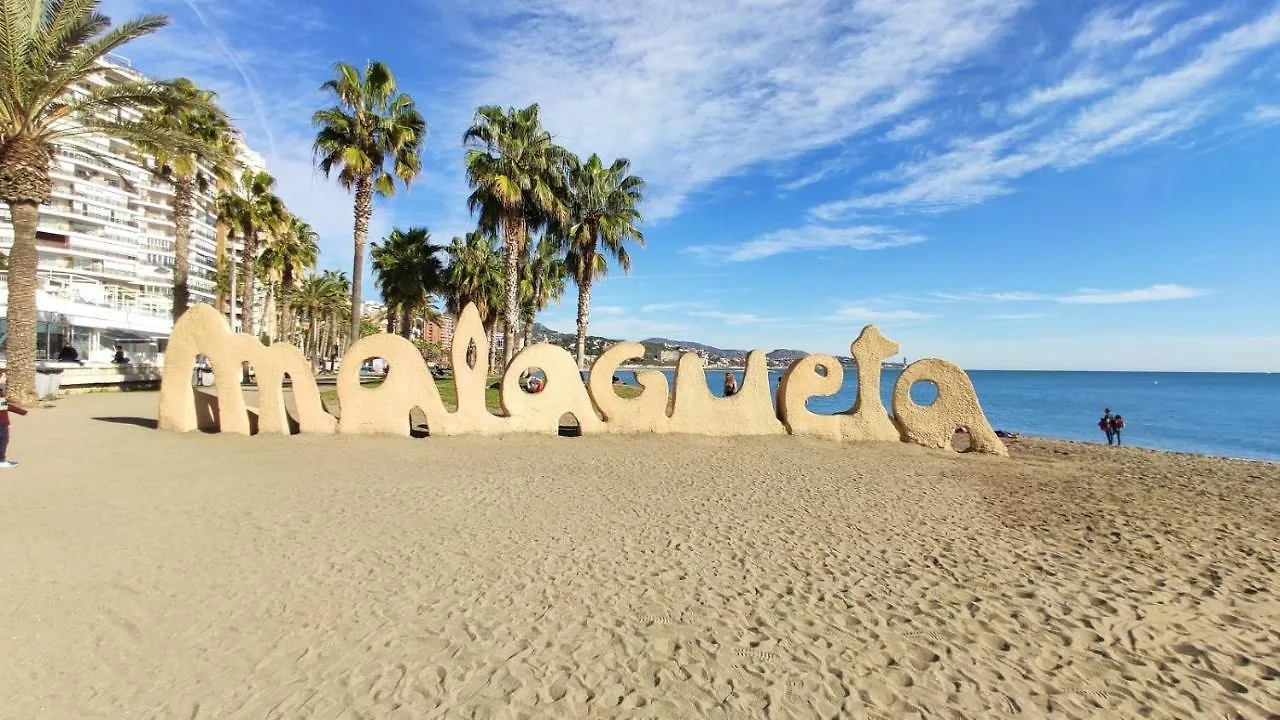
point(690, 345)
point(654, 346)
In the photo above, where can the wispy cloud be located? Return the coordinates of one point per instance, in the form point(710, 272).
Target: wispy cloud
point(695, 92)
point(864, 314)
point(1145, 108)
point(1155, 293)
point(1179, 33)
point(809, 237)
point(731, 318)
point(664, 307)
point(1107, 27)
point(911, 129)
point(1079, 85)
point(999, 297)
point(1013, 316)
point(1264, 114)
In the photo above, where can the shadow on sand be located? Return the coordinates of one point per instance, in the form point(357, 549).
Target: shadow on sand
point(149, 423)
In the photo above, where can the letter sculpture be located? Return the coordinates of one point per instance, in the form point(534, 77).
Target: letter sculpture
point(689, 407)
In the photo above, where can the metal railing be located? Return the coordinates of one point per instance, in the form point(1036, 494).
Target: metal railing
point(90, 291)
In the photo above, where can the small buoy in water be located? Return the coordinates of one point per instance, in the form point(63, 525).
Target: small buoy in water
point(1155, 382)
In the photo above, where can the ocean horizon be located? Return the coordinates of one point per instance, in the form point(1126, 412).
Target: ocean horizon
point(1227, 414)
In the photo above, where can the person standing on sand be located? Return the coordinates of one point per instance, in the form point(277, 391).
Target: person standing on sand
point(6, 407)
point(1117, 424)
point(1105, 424)
point(730, 385)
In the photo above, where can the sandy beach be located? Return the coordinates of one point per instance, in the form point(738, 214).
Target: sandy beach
point(147, 574)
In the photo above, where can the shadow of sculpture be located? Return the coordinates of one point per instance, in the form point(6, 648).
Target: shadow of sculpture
point(686, 405)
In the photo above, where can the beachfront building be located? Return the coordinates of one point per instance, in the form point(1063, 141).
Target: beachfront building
point(439, 331)
point(105, 242)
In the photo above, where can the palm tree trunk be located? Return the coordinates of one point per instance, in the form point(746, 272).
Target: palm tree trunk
point(528, 333)
point(20, 342)
point(269, 311)
point(514, 228)
point(247, 258)
point(493, 348)
point(183, 194)
point(584, 313)
point(391, 321)
point(364, 210)
point(406, 322)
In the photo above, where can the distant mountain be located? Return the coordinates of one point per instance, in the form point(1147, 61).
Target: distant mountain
point(687, 344)
point(654, 346)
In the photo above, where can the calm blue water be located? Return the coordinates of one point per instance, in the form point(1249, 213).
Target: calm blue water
point(1229, 414)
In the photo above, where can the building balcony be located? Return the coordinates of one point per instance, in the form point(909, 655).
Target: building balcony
point(88, 302)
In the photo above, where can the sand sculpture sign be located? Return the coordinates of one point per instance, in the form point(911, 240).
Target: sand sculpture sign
point(688, 407)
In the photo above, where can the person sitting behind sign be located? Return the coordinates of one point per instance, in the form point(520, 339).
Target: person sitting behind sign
point(69, 354)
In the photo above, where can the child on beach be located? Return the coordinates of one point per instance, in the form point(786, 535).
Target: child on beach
point(1117, 424)
point(5, 408)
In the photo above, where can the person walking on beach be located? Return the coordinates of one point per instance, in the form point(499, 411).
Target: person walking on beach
point(1117, 424)
point(1105, 425)
point(6, 407)
point(730, 385)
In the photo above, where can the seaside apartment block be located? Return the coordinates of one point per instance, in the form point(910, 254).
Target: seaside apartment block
point(106, 249)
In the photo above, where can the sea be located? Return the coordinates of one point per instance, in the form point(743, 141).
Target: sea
point(1225, 414)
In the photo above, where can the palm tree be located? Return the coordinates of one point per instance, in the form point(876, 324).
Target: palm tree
point(189, 171)
point(322, 299)
point(514, 169)
point(542, 281)
point(604, 212)
point(372, 127)
point(293, 250)
point(474, 276)
point(51, 53)
point(233, 213)
point(262, 216)
point(408, 271)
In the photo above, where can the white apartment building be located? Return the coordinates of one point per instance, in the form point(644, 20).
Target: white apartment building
point(106, 250)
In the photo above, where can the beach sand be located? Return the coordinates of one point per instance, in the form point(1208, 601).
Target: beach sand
point(147, 574)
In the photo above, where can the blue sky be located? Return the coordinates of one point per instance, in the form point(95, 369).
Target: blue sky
point(1058, 184)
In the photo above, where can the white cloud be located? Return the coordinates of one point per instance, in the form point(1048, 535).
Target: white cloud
point(1155, 293)
point(673, 306)
point(1107, 28)
point(1148, 110)
point(1013, 316)
point(1179, 33)
point(911, 129)
point(809, 237)
point(622, 327)
point(1264, 114)
point(1078, 85)
point(863, 314)
point(839, 164)
point(695, 92)
point(609, 310)
point(999, 297)
point(730, 318)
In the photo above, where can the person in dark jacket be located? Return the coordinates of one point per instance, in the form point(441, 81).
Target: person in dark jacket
point(6, 407)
